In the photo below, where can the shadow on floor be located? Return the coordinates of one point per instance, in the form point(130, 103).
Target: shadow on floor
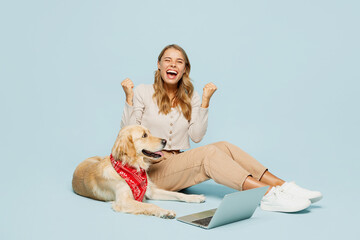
point(209, 188)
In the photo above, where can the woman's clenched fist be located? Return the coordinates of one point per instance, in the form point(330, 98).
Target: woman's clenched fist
point(128, 86)
point(208, 91)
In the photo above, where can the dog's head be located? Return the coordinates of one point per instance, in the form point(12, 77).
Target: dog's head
point(134, 144)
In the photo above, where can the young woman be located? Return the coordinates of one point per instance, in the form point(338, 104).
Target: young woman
point(171, 109)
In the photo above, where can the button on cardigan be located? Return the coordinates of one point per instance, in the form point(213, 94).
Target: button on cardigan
point(173, 127)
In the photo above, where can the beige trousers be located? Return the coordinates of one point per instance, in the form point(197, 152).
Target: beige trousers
point(223, 162)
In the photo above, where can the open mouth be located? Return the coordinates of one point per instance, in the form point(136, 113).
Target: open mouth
point(171, 74)
point(152, 154)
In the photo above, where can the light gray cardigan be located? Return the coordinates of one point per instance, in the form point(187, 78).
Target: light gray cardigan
point(173, 127)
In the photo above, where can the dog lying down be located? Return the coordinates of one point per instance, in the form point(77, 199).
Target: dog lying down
point(121, 177)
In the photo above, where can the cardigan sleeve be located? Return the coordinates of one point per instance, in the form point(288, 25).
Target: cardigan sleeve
point(199, 119)
point(132, 115)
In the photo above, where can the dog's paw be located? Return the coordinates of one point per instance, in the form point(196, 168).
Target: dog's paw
point(195, 198)
point(168, 214)
point(116, 207)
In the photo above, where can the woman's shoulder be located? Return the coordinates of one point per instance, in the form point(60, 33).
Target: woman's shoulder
point(195, 97)
point(144, 88)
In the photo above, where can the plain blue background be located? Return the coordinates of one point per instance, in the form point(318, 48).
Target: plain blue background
point(287, 74)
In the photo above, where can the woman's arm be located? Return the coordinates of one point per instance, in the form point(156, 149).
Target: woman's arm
point(199, 119)
point(199, 115)
point(134, 105)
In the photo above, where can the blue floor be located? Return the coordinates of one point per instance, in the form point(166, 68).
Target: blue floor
point(46, 208)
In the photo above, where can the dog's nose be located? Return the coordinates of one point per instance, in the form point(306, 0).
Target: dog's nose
point(163, 142)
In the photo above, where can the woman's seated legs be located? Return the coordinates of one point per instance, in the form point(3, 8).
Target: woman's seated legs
point(186, 169)
point(254, 167)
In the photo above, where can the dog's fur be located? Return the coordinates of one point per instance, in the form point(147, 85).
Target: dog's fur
point(96, 178)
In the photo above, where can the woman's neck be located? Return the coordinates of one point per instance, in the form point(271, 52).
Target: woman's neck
point(170, 90)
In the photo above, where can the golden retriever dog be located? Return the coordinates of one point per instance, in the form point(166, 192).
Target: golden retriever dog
point(97, 178)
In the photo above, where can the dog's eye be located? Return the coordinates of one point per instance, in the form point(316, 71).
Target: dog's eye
point(145, 135)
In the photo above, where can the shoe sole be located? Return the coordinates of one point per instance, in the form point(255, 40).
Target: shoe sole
point(316, 199)
point(282, 209)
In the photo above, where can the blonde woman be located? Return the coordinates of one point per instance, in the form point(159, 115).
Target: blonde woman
point(171, 109)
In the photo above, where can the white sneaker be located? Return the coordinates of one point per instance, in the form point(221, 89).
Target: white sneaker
point(279, 201)
point(292, 188)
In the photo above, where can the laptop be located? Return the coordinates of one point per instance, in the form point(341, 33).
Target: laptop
point(234, 207)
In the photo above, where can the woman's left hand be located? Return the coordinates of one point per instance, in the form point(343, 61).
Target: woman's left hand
point(208, 91)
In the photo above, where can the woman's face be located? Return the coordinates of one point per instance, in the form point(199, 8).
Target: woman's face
point(172, 66)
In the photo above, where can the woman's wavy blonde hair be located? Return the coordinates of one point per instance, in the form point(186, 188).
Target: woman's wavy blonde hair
point(185, 90)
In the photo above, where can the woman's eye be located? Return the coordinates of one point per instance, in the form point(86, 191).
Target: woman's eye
point(145, 135)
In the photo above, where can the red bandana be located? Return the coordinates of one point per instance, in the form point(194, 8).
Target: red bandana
point(136, 180)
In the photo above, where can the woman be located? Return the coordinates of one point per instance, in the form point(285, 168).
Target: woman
point(171, 109)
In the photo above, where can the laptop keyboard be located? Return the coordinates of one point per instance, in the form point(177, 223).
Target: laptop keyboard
point(204, 221)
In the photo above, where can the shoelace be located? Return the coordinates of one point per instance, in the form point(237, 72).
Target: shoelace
point(278, 191)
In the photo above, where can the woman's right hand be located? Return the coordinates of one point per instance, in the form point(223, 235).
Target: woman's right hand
point(128, 86)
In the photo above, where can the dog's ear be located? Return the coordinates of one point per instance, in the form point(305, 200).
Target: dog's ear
point(124, 146)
